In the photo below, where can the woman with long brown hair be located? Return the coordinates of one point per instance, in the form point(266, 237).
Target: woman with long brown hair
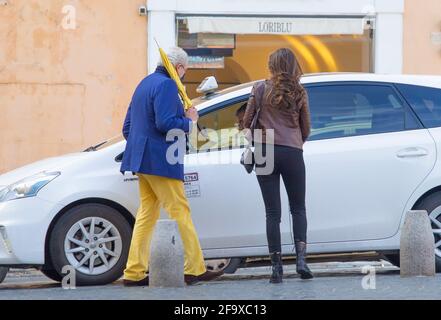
point(284, 116)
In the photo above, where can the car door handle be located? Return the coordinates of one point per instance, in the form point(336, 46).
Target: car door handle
point(413, 152)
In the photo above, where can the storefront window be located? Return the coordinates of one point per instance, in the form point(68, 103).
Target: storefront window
point(239, 52)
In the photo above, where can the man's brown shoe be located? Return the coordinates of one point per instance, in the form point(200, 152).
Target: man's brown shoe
point(190, 279)
point(210, 275)
point(141, 283)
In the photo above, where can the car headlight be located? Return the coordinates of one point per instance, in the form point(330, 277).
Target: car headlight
point(28, 187)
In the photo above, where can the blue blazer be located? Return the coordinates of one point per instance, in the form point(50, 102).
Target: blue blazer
point(155, 109)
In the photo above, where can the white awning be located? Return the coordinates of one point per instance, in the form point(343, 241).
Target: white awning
point(292, 26)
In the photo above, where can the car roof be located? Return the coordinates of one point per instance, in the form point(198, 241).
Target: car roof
point(245, 88)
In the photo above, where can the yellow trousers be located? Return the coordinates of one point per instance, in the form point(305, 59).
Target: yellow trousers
point(156, 192)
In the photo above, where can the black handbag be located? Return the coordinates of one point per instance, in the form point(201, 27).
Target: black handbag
point(247, 159)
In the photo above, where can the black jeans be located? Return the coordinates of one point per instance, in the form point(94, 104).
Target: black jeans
point(288, 163)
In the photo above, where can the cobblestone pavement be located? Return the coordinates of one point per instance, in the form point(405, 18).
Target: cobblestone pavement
point(332, 281)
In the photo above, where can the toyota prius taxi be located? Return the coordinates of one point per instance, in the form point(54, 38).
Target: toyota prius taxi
point(372, 156)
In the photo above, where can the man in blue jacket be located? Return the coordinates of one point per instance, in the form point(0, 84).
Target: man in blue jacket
point(155, 128)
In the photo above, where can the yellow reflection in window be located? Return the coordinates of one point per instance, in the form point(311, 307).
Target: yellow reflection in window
point(324, 52)
point(304, 51)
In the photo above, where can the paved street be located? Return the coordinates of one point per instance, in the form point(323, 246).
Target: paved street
point(333, 281)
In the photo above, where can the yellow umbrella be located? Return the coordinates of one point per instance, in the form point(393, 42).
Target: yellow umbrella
point(174, 75)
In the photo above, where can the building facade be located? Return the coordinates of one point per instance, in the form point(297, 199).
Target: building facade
point(68, 67)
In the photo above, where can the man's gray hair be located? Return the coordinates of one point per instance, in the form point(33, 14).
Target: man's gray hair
point(176, 56)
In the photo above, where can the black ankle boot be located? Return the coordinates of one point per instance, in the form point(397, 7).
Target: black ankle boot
point(277, 268)
point(302, 267)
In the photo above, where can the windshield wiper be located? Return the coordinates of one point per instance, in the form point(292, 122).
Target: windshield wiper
point(93, 148)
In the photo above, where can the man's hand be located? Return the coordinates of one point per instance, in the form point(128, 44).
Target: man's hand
point(192, 114)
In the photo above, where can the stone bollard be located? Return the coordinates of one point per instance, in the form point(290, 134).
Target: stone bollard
point(166, 256)
point(417, 245)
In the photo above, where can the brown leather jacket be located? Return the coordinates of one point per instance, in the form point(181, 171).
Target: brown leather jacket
point(291, 128)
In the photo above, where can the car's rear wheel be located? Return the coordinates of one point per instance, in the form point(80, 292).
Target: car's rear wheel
point(94, 239)
point(432, 204)
point(226, 265)
point(3, 272)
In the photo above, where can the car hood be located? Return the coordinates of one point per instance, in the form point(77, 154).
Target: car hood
point(48, 164)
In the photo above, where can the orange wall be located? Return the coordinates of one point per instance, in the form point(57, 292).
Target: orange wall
point(421, 18)
point(62, 90)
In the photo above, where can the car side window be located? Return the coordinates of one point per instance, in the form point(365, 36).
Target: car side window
point(219, 129)
point(355, 109)
point(425, 101)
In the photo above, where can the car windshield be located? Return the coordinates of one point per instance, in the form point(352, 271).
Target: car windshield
point(196, 101)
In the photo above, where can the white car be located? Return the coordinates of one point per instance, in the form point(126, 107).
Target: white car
point(372, 156)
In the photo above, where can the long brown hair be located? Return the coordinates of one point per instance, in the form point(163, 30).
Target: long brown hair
point(286, 90)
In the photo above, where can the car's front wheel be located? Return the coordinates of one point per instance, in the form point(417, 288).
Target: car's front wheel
point(52, 274)
point(94, 239)
point(3, 272)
